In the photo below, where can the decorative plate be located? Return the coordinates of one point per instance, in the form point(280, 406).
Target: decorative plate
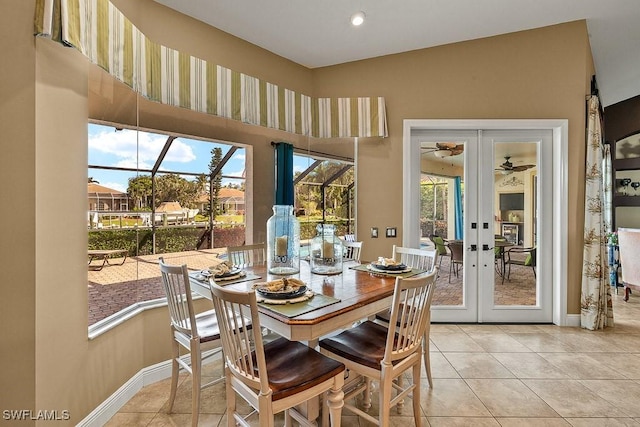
point(232, 272)
point(287, 293)
point(374, 268)
point(392, 267)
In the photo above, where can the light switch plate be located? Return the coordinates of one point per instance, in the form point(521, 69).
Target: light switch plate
point(391, 232)
point(374, 232)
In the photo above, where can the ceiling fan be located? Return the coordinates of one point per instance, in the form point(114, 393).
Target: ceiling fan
point(445, 149)
point(507, 167)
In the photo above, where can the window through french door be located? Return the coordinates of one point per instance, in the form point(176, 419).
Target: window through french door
point(485, 204)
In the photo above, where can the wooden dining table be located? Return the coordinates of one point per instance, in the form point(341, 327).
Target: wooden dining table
point(359, 295)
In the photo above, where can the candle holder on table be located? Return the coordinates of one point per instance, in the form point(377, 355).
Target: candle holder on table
point(326, 251)
point(283, 241)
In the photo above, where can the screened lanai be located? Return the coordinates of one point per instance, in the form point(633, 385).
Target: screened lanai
point(184, 199)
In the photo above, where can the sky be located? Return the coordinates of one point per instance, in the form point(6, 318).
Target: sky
point(128, 148)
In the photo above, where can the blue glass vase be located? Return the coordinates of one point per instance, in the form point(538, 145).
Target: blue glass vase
point(283, 241)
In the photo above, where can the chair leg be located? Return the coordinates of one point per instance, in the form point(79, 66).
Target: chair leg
point(415, 400)
point(231, 399)
point(335, 400)
point(196, 381)
point(384, 395)
point(427, 359)
point(175, 370)
point(366, 396)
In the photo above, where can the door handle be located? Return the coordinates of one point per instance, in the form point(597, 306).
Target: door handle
point(473, 248)
point(486, 248)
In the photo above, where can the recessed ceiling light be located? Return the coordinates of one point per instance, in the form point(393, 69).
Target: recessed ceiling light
point(357, 19)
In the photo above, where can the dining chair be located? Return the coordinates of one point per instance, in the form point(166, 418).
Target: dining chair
point(349, 237)
point(457, 257)
point(519, 256)
point(441, 248)
point(629, 247)
point(371, 351)
point(197, 333)
point(247, 255)
point(272, 377)
point(423, 259)
point(498, 252)
point(351, 250)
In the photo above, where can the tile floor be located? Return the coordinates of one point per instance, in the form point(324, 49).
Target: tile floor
point(484, 375)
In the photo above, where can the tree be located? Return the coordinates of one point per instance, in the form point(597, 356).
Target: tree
point(215, 183)
point(172, 187)
point(139, 191)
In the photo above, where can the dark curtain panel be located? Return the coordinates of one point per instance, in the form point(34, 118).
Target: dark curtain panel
point(284, 174)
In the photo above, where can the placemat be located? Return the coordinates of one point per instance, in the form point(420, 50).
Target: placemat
point(298, 308)
point(248, 277)
point(363, 267)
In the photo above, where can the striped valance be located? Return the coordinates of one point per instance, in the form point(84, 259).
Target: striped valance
point(105, 36)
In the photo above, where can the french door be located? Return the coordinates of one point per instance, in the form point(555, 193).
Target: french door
point(487, 195)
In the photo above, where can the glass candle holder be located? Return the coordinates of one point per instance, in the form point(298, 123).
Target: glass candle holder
point(283, 241)
point(326, 251)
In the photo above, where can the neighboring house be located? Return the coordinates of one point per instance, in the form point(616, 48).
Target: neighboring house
point(230, 200)
point(102, 198)
point(173, 213)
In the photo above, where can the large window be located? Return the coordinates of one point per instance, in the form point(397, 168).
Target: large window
point(324, 193)
point(154, 195)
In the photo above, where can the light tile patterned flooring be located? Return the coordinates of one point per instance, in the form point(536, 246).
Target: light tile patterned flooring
point(484, 375)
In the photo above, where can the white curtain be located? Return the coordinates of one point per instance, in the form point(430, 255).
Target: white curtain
point(596, 304)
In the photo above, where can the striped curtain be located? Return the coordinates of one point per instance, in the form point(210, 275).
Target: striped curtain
point(105, 36)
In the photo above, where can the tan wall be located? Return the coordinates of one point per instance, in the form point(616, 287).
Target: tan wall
point(51, 364)
point(17, 217)
point(542, 73)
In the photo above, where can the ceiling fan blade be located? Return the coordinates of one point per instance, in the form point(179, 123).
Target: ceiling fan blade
point(522, 168)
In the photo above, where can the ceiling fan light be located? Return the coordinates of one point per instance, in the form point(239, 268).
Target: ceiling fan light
point(442, 153)
point(506, 172)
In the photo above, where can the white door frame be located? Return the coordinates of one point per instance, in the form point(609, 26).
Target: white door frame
point(411, 181)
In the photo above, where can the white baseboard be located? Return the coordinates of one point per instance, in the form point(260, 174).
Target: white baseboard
point(107, 409)
point(149, 375)
point(573, 320)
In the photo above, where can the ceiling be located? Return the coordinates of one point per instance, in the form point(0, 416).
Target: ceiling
point(318, 33)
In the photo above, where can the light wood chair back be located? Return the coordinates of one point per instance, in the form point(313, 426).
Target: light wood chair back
point(373, 352)
point(410, 312)
point(423, 259)
point(247, 255)
point(197, 333)
point(352, 250)
point(271, 377)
